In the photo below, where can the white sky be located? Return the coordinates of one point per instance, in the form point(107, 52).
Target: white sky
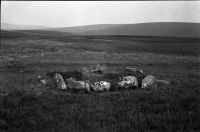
point(74, 13)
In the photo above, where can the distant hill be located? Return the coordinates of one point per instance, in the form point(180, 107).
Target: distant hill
point(8, 26)
point(166, 29)
point(81, 29)
point(32, 33)
point(161, 29)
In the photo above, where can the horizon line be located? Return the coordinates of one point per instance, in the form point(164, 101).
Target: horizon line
point(101, 24)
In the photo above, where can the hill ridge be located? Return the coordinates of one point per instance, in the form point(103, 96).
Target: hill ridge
point(160, 29)
point(168, 29)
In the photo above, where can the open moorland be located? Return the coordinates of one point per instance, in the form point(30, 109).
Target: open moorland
point(26, 107)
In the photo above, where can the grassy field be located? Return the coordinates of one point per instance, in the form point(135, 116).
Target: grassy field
point(24, 106)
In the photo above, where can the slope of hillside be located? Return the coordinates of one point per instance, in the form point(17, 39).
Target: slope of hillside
point(86, 28)
point(163, 29)
point(8, 26)
point(32, 33)
point(166, 29)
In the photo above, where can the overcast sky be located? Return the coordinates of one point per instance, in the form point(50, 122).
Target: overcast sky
point(74, 13)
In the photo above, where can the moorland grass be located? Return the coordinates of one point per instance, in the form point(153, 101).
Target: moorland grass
point(25, 106)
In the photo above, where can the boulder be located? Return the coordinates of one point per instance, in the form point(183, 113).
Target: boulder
point(128, 81)
point(148, 82)
point(59, 81)
point(132, 71)
point(101, 86)
point(77, 85)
